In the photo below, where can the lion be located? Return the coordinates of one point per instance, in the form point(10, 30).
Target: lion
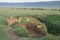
point(12, 20)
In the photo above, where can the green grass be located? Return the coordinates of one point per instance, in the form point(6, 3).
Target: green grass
point(20, 31)
point(3, 21)
point(8, 12)
point(3, 35)
point(23, 20)
point(53, 24)
point(14, 12)
point(47, 37)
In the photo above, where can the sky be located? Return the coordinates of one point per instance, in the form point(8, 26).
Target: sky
point(26, 0)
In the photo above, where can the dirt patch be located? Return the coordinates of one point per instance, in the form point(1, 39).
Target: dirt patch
point(10, 32)
point(34, 30)
point(12, 35)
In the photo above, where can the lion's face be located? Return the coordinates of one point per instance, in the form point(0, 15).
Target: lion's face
point(12, 20)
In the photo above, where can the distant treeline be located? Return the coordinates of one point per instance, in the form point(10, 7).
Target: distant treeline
point(55, 9)
point(35, 9)
point(29, 8)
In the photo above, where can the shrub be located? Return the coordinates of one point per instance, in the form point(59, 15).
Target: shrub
point(52, 23)
point(53, 9)
point(20, 31)
point(59, 10)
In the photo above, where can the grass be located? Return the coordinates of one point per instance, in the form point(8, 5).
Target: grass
point(47, 37)
point(53, 24)
point(8, 12)
point(23, 20)
point(20, 31)
point(13, 12)
point(3, 35)
point(3, 21)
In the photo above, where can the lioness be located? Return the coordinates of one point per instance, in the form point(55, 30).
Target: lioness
point(12, 20)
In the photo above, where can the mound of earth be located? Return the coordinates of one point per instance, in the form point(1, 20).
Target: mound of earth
point(33, 27)
point(34, 30)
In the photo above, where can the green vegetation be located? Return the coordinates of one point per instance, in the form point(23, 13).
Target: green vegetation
point(3, 35)
point(23, 20)
point(47, 37)
point(21, 12)
point(3, 21)
point(20, 31)
point(52, 22)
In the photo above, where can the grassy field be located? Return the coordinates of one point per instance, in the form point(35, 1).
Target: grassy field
point(20, 12)
point(8, 12)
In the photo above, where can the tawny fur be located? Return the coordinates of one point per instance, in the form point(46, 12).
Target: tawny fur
point(12, 20)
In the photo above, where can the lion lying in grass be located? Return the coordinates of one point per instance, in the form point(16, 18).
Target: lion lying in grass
point(17, 19)
point(12, 20)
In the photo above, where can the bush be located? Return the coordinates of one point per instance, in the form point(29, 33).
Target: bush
point(53, 9)
point(52, 23)
point(59, 10)
point(20, 31)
